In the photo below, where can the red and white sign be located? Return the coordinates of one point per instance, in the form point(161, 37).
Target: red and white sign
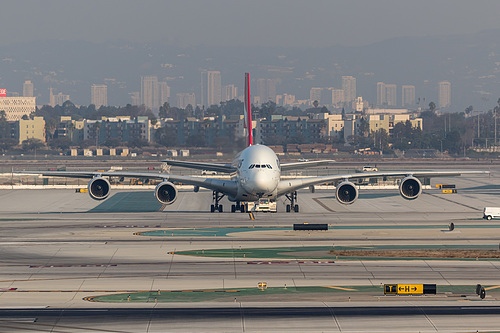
point(3, 92)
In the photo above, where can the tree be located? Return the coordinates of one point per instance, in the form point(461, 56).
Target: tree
point(62, 142)
point(468, 110)
point(432, 106)
point(164, 110)
point(32, 144)
point(166, 136)
point(6, 144)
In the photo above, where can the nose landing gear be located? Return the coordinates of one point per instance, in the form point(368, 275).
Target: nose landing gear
point(239, 207)
point(293, 199)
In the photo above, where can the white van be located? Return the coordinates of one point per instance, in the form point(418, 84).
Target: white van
point(491, 212)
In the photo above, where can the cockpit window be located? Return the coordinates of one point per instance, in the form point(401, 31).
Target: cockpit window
point(263, 166)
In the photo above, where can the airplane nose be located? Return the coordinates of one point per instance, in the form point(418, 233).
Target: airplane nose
point(259, 182)
point(262, 182)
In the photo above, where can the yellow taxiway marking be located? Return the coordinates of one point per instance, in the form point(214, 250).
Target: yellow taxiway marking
point(341, 288)
point(493, 287)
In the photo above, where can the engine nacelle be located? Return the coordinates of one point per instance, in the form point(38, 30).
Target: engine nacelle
point(98, 188)
point(410, 188)
point(346, 193)
point(166, 193)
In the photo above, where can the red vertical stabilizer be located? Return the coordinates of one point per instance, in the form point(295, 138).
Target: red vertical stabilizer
point(248, 110)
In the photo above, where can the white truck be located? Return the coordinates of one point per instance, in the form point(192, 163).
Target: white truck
point(263, 205)
point(491, 212)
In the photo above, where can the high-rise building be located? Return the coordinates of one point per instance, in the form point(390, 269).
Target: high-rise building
point(408, 95)
point(136, 97)
point(444, 94)
point(229, 92)
point(99, 95)
point(58, 99)
point(266, 90)
point(28, 89)
point(150, 95)
point(349, 87)
point(381, 95)
point(211, 88)
point(391, 94)
point(386, 94)
point(164, 91)
point(337, 97)
point(315, 95)
point(184, 100)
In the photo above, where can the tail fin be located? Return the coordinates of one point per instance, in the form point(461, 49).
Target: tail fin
point(248, 110)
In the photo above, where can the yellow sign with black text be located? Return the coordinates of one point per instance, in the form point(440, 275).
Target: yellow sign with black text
point(409, 289)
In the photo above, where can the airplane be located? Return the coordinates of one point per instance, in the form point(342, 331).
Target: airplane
point(255, 173)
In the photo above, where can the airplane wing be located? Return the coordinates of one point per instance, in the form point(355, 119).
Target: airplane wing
point(224, 168)
point(225, 186)
point(291, 185)
point(301, 165)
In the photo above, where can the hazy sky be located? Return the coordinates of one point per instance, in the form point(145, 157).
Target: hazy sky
point(236, 22)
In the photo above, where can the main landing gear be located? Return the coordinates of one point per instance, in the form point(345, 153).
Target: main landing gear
point(293, 199)
point(239, 207)
point(216, 197)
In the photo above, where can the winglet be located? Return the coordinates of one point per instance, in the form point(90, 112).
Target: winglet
point(248, 110)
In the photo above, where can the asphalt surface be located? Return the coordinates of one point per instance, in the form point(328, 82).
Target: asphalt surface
point(58, 247)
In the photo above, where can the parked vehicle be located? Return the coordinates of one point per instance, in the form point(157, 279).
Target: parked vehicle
point(491, 212)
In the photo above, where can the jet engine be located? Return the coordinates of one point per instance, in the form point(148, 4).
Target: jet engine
point(346, 193)
point(166, 193)
point(99, 188)
point(410, 188)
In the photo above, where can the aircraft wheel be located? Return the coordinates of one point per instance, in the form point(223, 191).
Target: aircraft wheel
point(233, 208)
point(212, 208)
point(296, 208)
point(242, 208)
point(220, 208)
point(288, 208)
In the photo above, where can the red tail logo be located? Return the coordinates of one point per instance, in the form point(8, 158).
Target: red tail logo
point(248, 110)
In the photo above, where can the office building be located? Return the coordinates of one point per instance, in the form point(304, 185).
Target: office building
point(99, 95)
point(408, 95)
point(16, 107)
point(444, 94)
point(150, 95)
point(184, 100)
point(391, 94)
point(229, 92)
point(386, 94)
point(164, 91)
point(211, 88)
point(58, 99)
point(266, 90)
point(28, 89)
point(349, 87)
point(315, 95)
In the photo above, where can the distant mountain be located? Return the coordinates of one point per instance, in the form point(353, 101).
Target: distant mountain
point(470, 62)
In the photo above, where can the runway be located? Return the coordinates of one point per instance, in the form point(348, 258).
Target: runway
point(58, 247)
point(299, 318)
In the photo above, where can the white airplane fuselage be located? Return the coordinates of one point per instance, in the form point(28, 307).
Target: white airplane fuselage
point(257, 175)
